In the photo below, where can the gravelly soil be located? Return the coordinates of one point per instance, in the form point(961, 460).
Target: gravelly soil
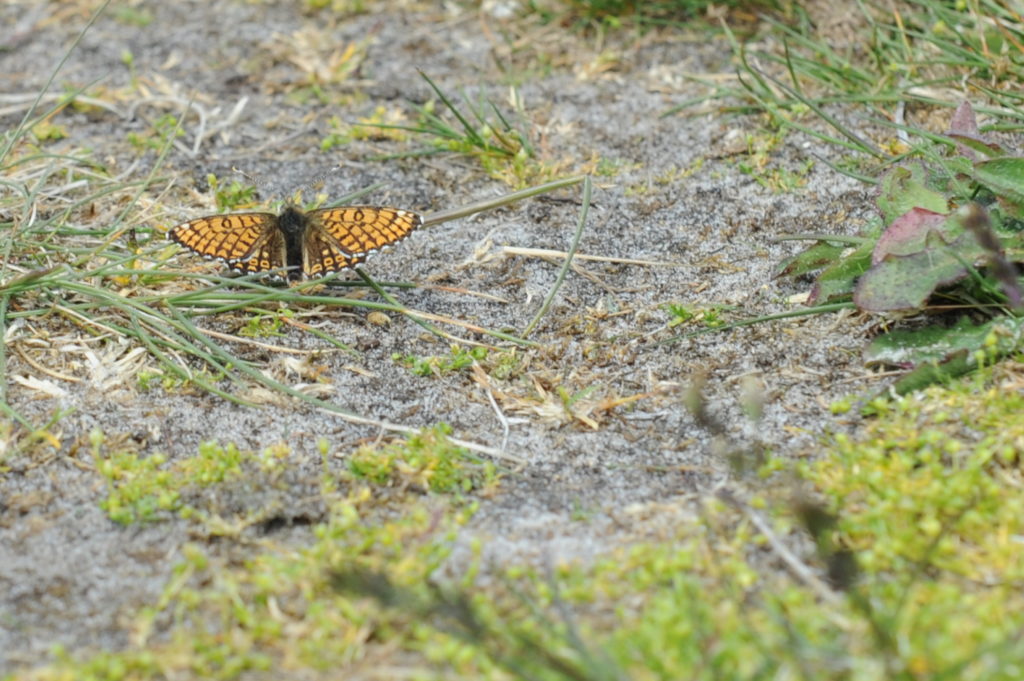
point(68, 574)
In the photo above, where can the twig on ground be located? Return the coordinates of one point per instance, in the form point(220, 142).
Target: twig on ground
point(485, 382)
point(409, 430)
point(551, 253)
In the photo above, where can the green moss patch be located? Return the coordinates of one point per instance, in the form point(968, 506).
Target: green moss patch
point(426, 462)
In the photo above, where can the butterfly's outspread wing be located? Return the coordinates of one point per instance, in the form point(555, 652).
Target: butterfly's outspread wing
point(270, 255)
point(320, 256)
point(361, 230)
point(228, 238)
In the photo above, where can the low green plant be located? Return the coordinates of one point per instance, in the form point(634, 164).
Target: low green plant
point(948, 236)
point(459, 359)
point(338, 7)
point(47, 131)
point(611, 167)
point(164, 128)
point(427, 461)
point(143, 489)
point(132, 16)
point(230, 196)
point(680, 314)
point(756, 162)
point(380, 124)
point(672, 176)
point(264, 324)
point(709, 317)
point(498, 141)
point(617, 14)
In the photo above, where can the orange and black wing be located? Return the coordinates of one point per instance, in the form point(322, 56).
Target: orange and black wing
point(268, 256)
point(361, 230)
point(228, 238)
point(320, 256)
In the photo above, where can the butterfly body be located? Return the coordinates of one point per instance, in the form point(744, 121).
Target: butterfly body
point(315, 243)
point(293, 224)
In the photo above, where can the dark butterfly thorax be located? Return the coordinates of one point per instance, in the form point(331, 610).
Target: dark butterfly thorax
point(293, 223)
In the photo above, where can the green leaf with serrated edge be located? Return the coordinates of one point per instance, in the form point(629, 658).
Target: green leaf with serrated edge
point(906, 282)
point(1004, 176)
point(813, 258)
point(905, 187)
point(837, 282)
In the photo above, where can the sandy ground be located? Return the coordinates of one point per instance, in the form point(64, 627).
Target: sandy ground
point(67, 573)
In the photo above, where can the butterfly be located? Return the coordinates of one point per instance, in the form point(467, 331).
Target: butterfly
point(316, 242)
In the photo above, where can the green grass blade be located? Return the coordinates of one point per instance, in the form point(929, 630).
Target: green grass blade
point(470, 132)
point(488, 204)
point(584, 210)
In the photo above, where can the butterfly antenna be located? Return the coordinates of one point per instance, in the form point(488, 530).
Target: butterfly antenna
point(255, 180)
point(317, 183)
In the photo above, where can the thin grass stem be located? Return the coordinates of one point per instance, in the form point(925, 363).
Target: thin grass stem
point(560, 279)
